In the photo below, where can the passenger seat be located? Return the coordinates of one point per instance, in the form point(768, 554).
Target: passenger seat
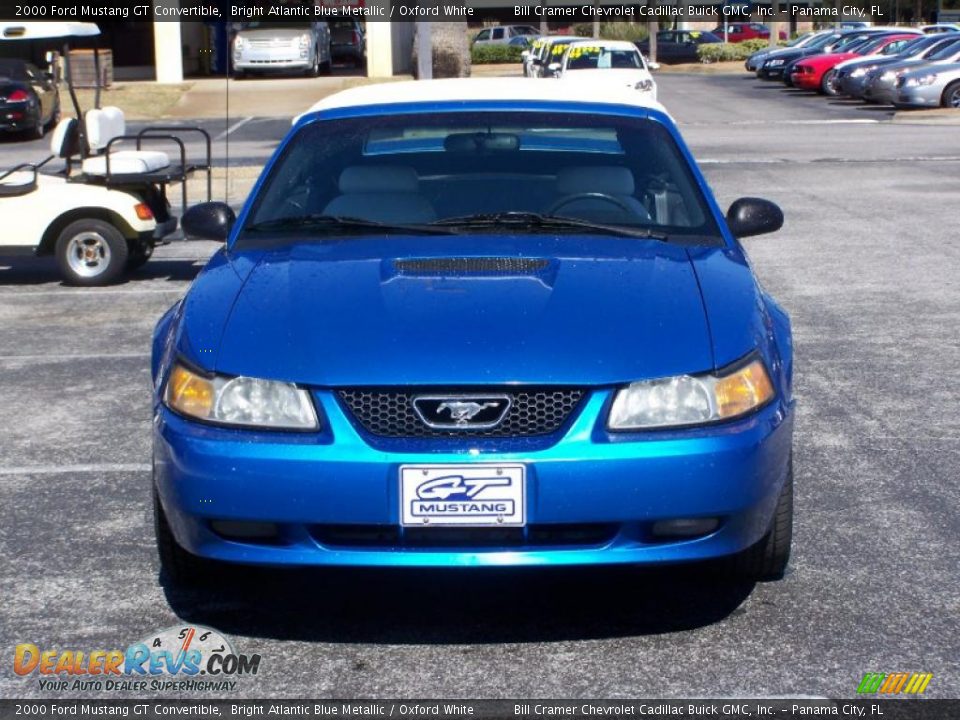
point(381, 193)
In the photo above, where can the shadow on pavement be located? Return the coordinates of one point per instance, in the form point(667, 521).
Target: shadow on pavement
point(43, 271)
point(477, 605)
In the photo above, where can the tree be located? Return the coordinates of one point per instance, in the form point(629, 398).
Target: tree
point(451, 49)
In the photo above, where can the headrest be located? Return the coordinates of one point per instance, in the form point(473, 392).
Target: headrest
point(102, 126)
point(607, 180)
point(378, 179)
point(65, 140)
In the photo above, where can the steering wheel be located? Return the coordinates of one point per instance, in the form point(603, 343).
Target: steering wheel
point(563, 202)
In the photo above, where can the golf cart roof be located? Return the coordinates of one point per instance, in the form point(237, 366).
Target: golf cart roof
point(46, 30)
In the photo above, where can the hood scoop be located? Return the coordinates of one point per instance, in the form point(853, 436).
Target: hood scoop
point(445, 266)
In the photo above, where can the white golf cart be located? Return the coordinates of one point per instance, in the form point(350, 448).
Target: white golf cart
point(103, 213)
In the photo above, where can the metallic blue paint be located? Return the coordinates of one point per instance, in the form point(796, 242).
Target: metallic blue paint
point(606, 311)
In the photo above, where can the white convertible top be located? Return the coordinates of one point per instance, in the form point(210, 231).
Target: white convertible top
point(479, 89)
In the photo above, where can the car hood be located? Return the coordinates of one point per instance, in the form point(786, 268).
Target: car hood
point(828, 60)
point(274, 33)
point(422, 311)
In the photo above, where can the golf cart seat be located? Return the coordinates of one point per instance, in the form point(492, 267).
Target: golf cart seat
point(104, 126)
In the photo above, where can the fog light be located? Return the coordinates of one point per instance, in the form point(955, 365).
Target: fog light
point(242, 530)
point(685, 527)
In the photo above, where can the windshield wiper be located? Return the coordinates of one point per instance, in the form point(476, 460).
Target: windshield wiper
point(538, 220)
point(342, 222)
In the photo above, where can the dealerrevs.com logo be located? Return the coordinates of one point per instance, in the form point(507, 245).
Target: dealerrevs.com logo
point(178, 658)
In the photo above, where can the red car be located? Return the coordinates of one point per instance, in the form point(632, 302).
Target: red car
point(740, 31)
point(817, 72)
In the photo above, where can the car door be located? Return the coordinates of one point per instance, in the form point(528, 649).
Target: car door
point(666, 46)
point(498, 36)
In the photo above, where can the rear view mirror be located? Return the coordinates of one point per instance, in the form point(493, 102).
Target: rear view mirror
point(208, 221)
point(753, 216)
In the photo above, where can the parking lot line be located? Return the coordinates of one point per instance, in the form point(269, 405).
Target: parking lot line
point(73, 469)
point(67, 358)
point(98, 292)
point(235, 126)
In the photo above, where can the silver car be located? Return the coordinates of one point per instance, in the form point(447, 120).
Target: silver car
point(881, 84)
point(854, 78)
point(290, 47)
point(930, 86)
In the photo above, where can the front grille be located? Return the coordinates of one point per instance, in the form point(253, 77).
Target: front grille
point(391, 536)
point(390, 413)
point(474, 265)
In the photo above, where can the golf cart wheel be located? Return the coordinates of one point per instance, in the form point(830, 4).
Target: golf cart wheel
point(138, 255)
point(177, 566)
point(768, 559)
point(91, 252)
point(828, 85)
point(951, 96)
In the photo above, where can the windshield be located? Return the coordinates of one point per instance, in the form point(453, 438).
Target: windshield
point(598, 58)
point(945, 53)
point(420, 172)
point(801, 40)
point(822, 41)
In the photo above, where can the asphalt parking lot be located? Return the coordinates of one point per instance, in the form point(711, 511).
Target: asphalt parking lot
point(868, 265)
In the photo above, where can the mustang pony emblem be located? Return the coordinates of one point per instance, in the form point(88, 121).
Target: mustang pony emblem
point(462, 411)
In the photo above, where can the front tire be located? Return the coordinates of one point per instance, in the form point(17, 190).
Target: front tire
point(951, 96)
point(828, 84)
point(91, 252)
point(768, 559)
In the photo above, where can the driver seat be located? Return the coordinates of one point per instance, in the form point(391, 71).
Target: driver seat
point(617, 182)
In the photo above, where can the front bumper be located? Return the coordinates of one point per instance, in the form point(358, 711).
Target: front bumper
point(770, 73)
point(805, 81)
point(880, 91)
point(333, 495)
point(277, 61)
point(853, 86)
point(921, 96)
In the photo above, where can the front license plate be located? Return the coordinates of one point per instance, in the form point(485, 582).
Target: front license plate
point(463, 495)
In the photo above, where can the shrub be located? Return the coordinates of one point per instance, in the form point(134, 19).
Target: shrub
point(614, 31)
point(720, 52)
point(490, 54)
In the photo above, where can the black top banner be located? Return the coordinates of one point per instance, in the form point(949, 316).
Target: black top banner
point(724, 709)
point(555, 11)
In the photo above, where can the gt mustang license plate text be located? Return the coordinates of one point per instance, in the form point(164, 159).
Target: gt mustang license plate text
point(463, 495)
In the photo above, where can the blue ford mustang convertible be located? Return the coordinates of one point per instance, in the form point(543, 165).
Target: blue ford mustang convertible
point(476, 323)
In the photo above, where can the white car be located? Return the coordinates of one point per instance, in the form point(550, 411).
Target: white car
point(603, 63)
point(289, 47)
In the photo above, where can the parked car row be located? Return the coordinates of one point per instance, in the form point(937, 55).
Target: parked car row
point(904, 67)
point(577, 59)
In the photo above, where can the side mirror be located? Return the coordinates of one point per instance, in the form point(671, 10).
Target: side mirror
point(653, 65)
point(208, 221)
point(753, 216)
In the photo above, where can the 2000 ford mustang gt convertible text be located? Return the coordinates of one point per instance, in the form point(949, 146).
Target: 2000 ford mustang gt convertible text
point(470, 322)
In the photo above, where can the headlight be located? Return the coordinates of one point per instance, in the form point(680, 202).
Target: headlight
point(305, 40)
point(644, 85)
point(239, 43)
point(859, 72)
point(240, 401)
point(774, 63)
point(919, 80)
point(888, 76)
point(690, 400)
